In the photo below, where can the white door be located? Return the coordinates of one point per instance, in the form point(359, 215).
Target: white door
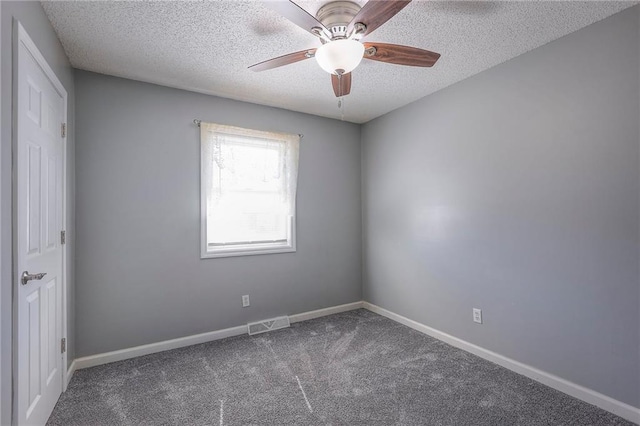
point(39, 218)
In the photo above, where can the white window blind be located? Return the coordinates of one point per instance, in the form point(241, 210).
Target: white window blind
point(248, 184)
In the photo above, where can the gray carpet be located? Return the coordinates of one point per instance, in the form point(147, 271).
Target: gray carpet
point(354, 368)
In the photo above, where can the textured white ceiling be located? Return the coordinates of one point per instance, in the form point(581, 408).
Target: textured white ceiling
point(207, 46)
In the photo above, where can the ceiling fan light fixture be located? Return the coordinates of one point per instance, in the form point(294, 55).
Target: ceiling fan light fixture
point(340, 56)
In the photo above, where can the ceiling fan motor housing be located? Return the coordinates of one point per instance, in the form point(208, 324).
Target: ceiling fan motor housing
point(335, 16)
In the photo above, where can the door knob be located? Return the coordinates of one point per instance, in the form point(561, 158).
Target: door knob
point(26, 277)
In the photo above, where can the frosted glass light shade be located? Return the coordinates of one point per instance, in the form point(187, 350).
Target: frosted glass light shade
point(340, 56)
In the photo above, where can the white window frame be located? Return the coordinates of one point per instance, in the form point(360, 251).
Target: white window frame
point(249, 249)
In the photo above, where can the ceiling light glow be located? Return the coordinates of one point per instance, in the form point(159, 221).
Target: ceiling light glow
point(340, 56)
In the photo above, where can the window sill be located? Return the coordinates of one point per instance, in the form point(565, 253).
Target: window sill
point(246, 251)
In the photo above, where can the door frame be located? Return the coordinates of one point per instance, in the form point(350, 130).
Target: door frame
point(20, 36)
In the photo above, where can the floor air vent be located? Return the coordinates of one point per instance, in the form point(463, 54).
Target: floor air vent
point(268, 325)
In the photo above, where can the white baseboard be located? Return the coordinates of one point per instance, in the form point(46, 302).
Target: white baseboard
point(70, 371)
point(120, 355)
point(151, 348)
point(616, 407)
point(305, 316)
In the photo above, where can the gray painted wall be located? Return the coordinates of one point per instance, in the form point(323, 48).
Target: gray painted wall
point(4, 396)
point(139, 273)
point(517, 191)
point(32, 17)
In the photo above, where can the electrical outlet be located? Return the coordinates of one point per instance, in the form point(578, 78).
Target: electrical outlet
point(245, 300)
point(477, 315)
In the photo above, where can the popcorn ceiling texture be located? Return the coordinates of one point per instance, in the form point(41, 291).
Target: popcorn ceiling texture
point(354, 368)
point(207, 46)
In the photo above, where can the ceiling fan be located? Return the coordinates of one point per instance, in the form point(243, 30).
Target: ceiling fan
point(340, 25)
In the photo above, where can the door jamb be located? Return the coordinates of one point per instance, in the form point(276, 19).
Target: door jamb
point(20, 35)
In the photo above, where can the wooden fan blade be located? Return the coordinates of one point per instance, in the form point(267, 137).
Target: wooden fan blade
point(400, 55)
point(297, 15)
point(375, 13)
point(283, 60)
point(341, 85)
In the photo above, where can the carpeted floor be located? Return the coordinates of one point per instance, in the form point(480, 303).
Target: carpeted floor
point(354, 368)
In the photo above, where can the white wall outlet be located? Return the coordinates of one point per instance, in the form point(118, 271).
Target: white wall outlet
point(245, 300)
point(477, 315)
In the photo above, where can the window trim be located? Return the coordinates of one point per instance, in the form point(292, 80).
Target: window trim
point(233, 250)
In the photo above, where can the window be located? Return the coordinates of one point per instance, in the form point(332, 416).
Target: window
point(248, 191)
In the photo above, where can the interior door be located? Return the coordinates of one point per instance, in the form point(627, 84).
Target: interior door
point(39, 218)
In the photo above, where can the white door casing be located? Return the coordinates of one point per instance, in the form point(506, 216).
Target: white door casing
point(40, 109)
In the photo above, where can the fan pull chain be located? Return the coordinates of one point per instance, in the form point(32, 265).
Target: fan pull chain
point(341, 98)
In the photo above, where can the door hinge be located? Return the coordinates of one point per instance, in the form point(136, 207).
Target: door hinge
point(63, 237)
point(63, 345)
point(63, 130)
